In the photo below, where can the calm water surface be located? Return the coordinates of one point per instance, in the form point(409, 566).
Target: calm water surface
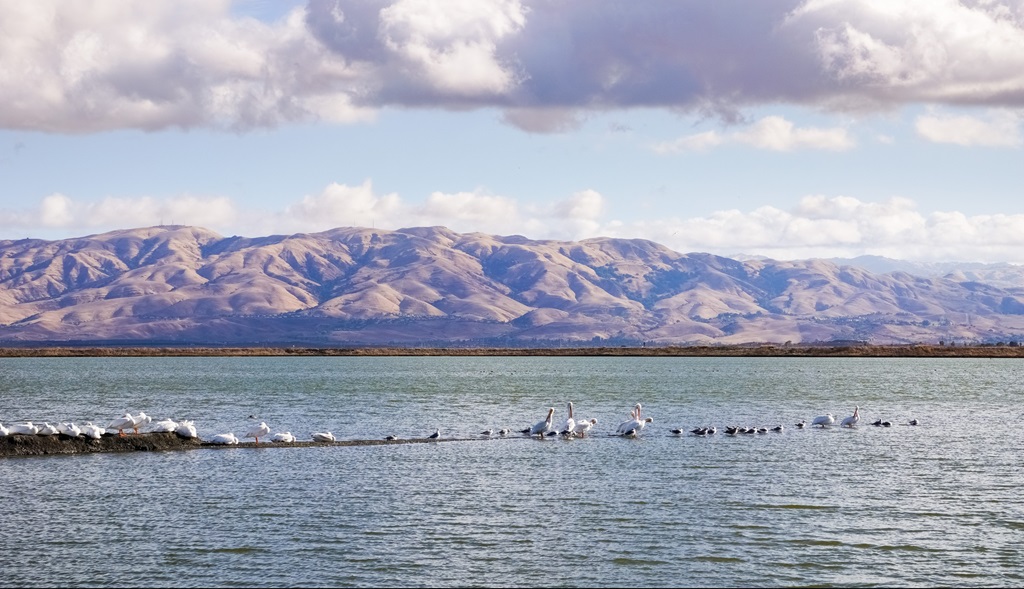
point(937, 504)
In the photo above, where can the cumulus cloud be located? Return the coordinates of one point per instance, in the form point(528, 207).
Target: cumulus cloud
point(999, 128)
point(842, 226)
point(942, 51)
point(154, 64)
point(59, 211)
point(87, 67)
point(818, 226)
point(772, 133)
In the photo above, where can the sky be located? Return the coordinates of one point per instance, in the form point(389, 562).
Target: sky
point(789, 129)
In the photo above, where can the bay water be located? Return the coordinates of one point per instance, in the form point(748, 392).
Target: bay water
point(938, 504)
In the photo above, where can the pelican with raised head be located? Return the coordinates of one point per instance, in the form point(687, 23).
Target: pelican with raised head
point(852, 420)
point(569, 427)
point(636, 425)
point(541, 427)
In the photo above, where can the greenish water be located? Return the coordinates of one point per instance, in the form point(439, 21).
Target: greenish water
point(936, 504)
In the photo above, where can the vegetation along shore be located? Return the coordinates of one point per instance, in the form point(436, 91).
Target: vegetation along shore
point(1009, 350)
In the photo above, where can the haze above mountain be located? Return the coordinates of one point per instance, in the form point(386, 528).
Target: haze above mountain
point(432, 286)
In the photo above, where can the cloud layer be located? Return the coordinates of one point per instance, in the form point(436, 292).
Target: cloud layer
point(819, 226)
point(153, 64)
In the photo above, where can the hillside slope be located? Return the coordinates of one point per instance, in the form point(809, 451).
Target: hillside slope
point(430, 286)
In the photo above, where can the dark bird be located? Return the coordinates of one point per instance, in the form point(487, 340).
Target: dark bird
point(435, 435)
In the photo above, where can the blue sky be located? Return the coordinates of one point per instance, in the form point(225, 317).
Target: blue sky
point(784, 128)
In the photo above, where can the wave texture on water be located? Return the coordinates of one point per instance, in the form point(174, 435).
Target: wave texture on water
point(935, 504)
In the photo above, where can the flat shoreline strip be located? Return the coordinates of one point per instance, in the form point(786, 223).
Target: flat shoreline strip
point(759, 350)
point(36, 445)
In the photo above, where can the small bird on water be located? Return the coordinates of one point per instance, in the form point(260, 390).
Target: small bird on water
point(435, 435)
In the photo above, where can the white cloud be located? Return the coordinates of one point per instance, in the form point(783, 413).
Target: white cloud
point(339, 205)
point(999, 128)
point(154, 64)
point(696, 142)
point(778, 134)
point(818, 226)
point(772, 133)
point(452, 44)
point(941, 51)
point(843, 227)
point(86, 67)
point(59, 211)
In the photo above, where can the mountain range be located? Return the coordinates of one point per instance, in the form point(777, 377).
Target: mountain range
point(429, 286)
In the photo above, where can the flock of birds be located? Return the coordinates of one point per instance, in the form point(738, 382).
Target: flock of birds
point(135, 423)
point(570, 428)
point(185, 429)
point(636, 423)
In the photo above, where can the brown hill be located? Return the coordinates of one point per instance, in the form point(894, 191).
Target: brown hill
point(429, 286)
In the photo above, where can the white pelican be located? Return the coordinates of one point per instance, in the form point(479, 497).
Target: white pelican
point(122, 423)
point(69, 429)
point(258, 430)
point(141, 420)
point(164, 426)
point(582, 427)
point(224, 439)
point(4, 432)
point(322, 436)
point(435, 435)
point(47, 430)
point(853, 419)
point(635, 425)
point(186, 429)
point(824, 420)
point(569, 427)
point(285, 437)
point(93, 431)
point(541, 427)
point(28, 429)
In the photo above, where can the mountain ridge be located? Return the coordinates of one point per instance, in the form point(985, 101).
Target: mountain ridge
point(431, 285)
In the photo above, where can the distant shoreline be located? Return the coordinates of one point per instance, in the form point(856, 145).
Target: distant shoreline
point(761, 350)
